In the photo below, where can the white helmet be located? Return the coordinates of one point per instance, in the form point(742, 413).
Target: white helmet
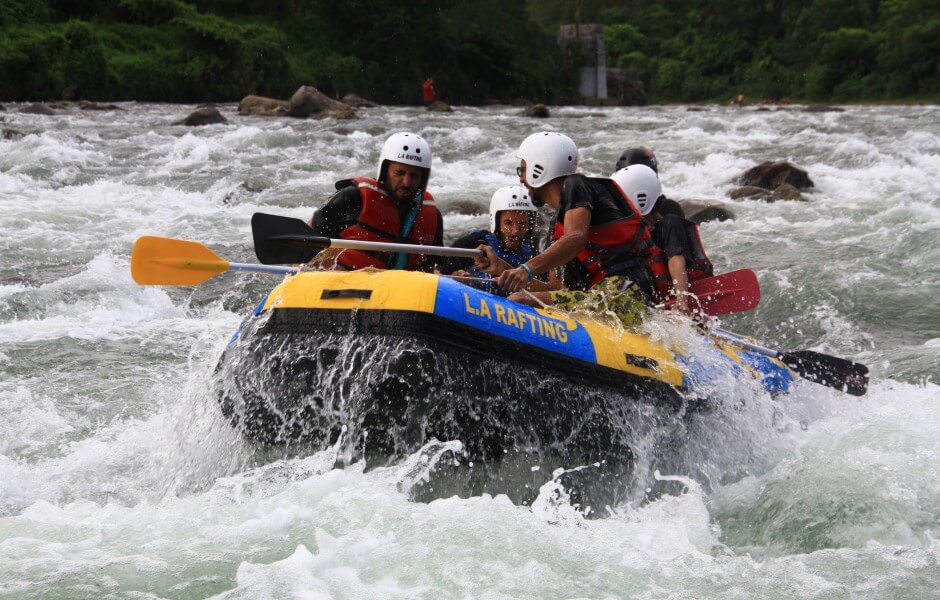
point(641, 185)
point(511, 197)
point(547, 155)
point(406, 148)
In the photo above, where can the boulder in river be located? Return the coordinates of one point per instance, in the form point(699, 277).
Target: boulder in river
point(772, 174)
point(439, 106)
point(785, 191)
point(748, 191)
point(204, 115)
point(89, 105)
point(38, 109)
point(703, 211)
point(538, 111)
point(822, 108)
point(260, 105)
point(357, 101)
point(308, 101)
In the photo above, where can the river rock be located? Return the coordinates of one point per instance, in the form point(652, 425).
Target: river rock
point(749, 191)
point(260, 105)
point(538, 111)
point(89, 105)
point(11, 134)
point(786, 191)
point(703, 211)
point(204, 115)
point(2, 107)
point(822, 108)
point(771, 175)
point(38, 109)
point(357, 101)
point(439, 106)
point(308, 101)
point(625, 88)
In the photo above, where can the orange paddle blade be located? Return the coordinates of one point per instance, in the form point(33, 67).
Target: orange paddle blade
point(166, 261)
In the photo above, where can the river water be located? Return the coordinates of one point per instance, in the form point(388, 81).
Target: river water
point(119, 477)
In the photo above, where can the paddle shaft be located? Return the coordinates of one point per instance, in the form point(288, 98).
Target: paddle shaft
point(263, 268)
point(831, 371)
point(325, 242)
point(733, 337)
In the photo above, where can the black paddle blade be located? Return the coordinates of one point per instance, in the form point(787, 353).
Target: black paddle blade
point(850, 377)
point(284, 240)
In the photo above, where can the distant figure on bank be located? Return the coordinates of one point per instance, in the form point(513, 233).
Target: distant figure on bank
point(512, 223)
point(428, 93)
point(393, 207)
point(671, 232)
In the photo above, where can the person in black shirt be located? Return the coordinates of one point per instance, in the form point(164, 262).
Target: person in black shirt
point(671, 232)
point(597, 236)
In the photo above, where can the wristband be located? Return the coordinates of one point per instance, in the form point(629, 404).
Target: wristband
point(528, 270)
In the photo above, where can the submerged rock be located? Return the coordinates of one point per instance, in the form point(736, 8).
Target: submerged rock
point(438, 106)
point(772, 174)
point(260, 105)
point(38, 109)
point(703, 211)
point(357, 101)
point(539, 111)
point(308, 101)
point(205, 115)
point(822, 108)
point(748, 191)
point(89, 105)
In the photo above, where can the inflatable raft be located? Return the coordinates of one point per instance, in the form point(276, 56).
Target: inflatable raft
point(389, 360)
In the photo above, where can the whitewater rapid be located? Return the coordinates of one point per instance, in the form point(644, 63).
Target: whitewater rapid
point(119, 477)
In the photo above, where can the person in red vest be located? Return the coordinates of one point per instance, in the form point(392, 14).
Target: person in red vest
point(599, 238)
point(393, 207)
point(428, 94)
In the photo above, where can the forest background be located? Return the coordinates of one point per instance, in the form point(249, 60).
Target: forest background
point(478, 51)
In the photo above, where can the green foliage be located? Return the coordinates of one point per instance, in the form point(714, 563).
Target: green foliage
point(623, 38)
point(477, 50)
point(84, 67)
point(15, 12)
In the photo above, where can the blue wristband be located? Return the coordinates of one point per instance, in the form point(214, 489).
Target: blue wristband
point(528, 270)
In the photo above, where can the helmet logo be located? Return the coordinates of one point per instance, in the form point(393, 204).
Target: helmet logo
point(413, 157)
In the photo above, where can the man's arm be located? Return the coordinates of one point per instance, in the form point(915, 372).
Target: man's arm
point(339, 212)
point(673, 235)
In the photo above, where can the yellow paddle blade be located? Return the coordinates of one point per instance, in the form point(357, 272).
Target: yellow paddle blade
point(166, 261)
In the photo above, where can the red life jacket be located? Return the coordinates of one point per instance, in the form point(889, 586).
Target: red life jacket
point(619, 247)
point(701, 266)
point(380, 221)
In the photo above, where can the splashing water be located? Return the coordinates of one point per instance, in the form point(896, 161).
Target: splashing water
point(120, 476)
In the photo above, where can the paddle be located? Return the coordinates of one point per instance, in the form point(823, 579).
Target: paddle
point(839, 373)
point(166, 261)
point(736, 291)
point(285, 240)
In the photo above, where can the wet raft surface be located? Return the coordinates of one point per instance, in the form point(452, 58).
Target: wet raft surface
point(393, 381)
